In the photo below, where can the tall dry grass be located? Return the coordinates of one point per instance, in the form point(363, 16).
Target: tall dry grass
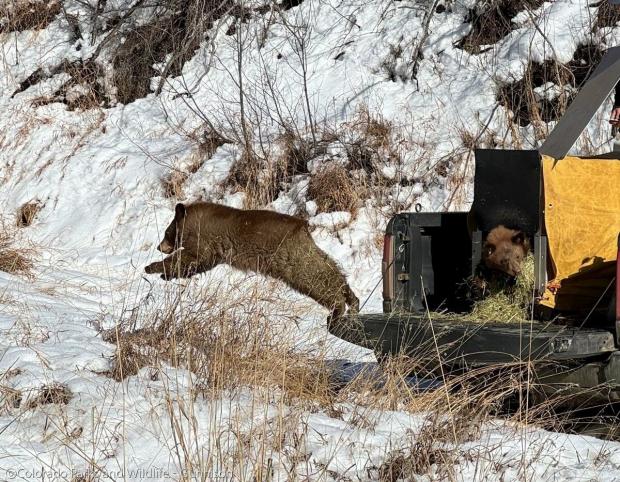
point(245, 342)
point(16, 256)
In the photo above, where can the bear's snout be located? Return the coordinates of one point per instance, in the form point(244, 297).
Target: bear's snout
point(165, 247)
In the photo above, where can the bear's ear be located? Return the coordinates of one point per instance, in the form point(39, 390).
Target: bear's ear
point(518, 238)
point(179, 211)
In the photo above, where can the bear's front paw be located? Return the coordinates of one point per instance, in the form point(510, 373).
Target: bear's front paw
point(151, 268)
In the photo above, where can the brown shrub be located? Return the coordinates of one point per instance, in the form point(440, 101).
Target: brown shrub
point(55, 393)
point(297, 151)
point(174, 33)
point(257, 177)
point(173, 183)
point(261, 178)
point(16, 260)
point(133, 351)
point(10, 398)
point(20, 15)
point(520, 98)
point(372, 142)
point(333, 189)
point(492, 20)
point(207, 145)
point(27, 213)
point(84, 90)
point(607, 15)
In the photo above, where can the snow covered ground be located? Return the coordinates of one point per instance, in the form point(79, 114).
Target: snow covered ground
point(98, 176)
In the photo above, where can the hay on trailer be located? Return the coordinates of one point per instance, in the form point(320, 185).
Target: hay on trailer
point(503, 301)
point(506, 303)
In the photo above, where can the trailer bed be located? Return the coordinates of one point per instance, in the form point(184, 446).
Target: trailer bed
point(457, 341)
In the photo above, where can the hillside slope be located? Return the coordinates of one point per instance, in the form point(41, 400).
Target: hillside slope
point(342, 112)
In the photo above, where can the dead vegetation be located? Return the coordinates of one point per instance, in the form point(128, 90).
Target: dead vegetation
point(607, 15)
point(230, 343)
point(172, 184)
point(350, 163)
point(333, 189)
point(27, 213)
point(14, 258)
point(84, 89)
point(171, 38)
point(20, 15)
point(491, 21)
point(56, 393)
point(10, 399)
point(262, 174)
point(239, 346)
point(546, 89)
point(257, 176)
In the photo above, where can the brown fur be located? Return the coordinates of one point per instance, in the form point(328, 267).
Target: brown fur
point(505, 249)
point(266, 242)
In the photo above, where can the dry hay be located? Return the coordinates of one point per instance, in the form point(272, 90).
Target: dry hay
point(333, 190)
point(504, 303)
point(14, 259)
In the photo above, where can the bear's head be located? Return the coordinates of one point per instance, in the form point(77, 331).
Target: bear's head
point(172, 237)
point(505, 249)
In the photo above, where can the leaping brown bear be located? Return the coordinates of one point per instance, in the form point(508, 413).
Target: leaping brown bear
point(203, 235)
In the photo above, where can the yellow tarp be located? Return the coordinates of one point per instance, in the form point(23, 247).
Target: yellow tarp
point(582, 219)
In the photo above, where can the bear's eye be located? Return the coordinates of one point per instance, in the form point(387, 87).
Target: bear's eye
point(490, 249)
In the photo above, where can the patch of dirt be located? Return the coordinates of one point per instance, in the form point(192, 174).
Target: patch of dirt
point(56, 393)
point(84, 90)
point(27, 212)
point(491, 21)
point(28, 15)
point(607, 15)
point(527, 99)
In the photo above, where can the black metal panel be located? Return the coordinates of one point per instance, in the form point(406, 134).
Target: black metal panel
point(455, 342)
point(507, 189)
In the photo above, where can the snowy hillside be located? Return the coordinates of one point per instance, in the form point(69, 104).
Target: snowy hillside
point(343, 112)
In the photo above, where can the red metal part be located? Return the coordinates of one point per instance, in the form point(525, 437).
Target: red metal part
point(387, 267)
point(618, 282)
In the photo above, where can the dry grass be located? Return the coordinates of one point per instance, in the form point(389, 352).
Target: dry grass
point(20, 15)
point(172, 184)
point(607, 15)
point(370, 142)
point(217, 339)
point(173, 35)
point(14, 259)
point(529, 106)
point(333, 190)
point(248, 346)
point(27, 213)
point(10, 399)
point(507, 303)
point(258, 177)
point(55, 393)
point(492, 20)
point(84, 90)
point(263, 175)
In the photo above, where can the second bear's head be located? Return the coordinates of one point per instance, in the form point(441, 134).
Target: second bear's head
point(505, 249)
